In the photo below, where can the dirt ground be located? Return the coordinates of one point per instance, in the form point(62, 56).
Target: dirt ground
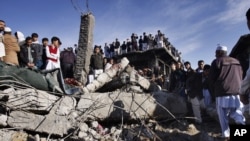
point(173, 130)
point(182, 129)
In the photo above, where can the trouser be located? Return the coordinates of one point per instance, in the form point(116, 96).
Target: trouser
point(39, 64)
point(97, 72)
point(52, 78)
point(112, 54)
point(224, 114)
point(207, 97)
point(90, 78)
point(144, 46)
point(196, 107)
point(160, 44)
point(67, 70)
point(116, 52)
point(124, 51)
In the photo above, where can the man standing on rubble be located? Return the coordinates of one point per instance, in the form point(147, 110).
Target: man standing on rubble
point(225, 79)
point(96, 62)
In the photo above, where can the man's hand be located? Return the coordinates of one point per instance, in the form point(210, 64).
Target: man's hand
point(30, 65)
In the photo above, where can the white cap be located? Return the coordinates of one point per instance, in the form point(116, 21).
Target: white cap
point(223, 48)
point(7, 29)
point(20, 36)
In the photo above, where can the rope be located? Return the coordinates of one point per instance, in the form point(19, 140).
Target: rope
point(75, 7)
point(87, 5)
point(78, 8)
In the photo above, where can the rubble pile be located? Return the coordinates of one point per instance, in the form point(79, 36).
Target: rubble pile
point(46, 114)
point(135, 111)
point(27, 112)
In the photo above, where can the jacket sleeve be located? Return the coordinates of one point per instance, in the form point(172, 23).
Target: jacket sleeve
point(24, 60)
point(40, 50)
point(13, 43)
point(189, 82)
point(212, 77)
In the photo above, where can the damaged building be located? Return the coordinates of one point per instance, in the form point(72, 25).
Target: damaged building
point(44, 107)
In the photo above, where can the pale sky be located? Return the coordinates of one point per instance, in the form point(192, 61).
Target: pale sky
point(194, 27)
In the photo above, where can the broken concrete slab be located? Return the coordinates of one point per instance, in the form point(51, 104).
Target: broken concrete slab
point(3, 120)
point(138, 79)
point(50, 123)
point(106, 76)
point(119, 104)
point(29, 99)
point(8, 135)
point(67, 104)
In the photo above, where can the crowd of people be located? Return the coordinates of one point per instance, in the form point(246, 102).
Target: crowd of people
point(108, 53)
point(27, 52)
point(217, 82)
point(139, 43)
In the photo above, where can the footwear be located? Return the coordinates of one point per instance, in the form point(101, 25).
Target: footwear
point(198, 122)
point(221, 138)
point(240, 123)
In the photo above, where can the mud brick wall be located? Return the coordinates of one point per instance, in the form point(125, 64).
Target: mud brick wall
point(85, 47)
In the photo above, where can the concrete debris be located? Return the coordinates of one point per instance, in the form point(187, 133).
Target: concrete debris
point(29, 99)
point(44, 113)
point(41, 115)
point(131, 105)
point(67, 105)
point(105, 77)
point(3, 120)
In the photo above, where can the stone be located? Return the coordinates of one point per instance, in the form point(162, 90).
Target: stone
point(6, 135)
point(67, 104)
point(50, 123)
point(3, 120)
point(112, 106)
point(84, 127)
point(29, 99)
point(105, 77)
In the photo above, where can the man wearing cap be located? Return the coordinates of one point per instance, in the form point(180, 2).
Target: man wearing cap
point(11, 47)
point(2, 48)
point(225, 80)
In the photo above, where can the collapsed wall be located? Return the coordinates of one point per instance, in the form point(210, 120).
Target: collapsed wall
point(85, 47)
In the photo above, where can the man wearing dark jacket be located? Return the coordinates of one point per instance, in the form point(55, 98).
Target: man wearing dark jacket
point(28, 54)
point(96, 61)
point(225, 79)
point(68, 60)
point(194, 92)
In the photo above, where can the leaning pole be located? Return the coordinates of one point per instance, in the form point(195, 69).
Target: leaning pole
point(85, 47)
